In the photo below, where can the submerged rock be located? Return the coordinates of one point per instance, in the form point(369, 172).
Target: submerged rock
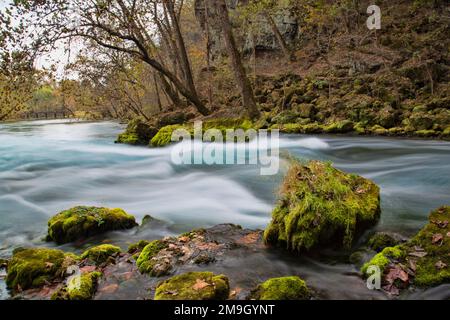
point(285, 288)
point(34, 267)
point(194, 286)
point(381, 240)
point(137, 133)
point(81, 222)
point(101, 254)
point(320, 206)
point(423, 261)
point(81, 287)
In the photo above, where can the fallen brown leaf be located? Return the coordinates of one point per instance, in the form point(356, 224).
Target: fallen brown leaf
point(396, 273)
point(200, 284)
point(440, 265)
point(412, 265)
point(418, 254)
point(437, 238)
point(184, 239)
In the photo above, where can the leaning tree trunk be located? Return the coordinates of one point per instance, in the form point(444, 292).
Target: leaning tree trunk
point(238, 68)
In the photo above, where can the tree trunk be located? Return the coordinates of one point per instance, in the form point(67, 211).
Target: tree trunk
point(158, 97)
point(173, 96)
point(208, 55)
point(238, 68)
point(284, 47)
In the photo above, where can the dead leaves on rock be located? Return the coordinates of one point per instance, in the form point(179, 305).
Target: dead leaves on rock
point(200, 284)
point(418, 252)
point(440, 265)
point(437, 239)
point(396, 279)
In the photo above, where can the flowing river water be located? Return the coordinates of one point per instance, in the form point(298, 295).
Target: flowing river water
point(49, 166)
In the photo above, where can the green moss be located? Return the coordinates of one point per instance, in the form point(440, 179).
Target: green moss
point(145, 262)
point(379, 130)
point(309, 128)
point(285, 288)
point(382, 259)
point(31, 268)
point(286, 117)
point(343, 126)
point(81, 222)
point(426, 133)
point(100, 254)
point(360, 128)
point(322, 206)
point(137, 133)
point(194, 286)
point(164, 135)
point(446, 132)
point(80, 287)
point(381, 240)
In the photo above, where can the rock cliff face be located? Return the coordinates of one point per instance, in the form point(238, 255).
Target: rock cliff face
point(261, 37)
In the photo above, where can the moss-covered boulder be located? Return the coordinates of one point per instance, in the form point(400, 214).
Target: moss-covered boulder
point(194, 286)
point(101, 254)
point(164, 136)
point(81, 222)
point(81, 287)
point(285, 288)
point(138, 132)
point(145, 262)
point(423, 261)
point(320, 206)
point(34, 267)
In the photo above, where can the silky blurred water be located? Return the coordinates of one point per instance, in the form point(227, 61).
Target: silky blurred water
point(49, 166)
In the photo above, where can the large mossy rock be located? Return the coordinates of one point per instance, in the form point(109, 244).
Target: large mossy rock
point(81, 222)
point(34, 267)
point(164, 135)
point(423, 261)
point(194, 286)
point(137, 133)
point(285, 288)
point(320, 206)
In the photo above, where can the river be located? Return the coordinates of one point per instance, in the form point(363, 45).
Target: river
point(49, 166)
